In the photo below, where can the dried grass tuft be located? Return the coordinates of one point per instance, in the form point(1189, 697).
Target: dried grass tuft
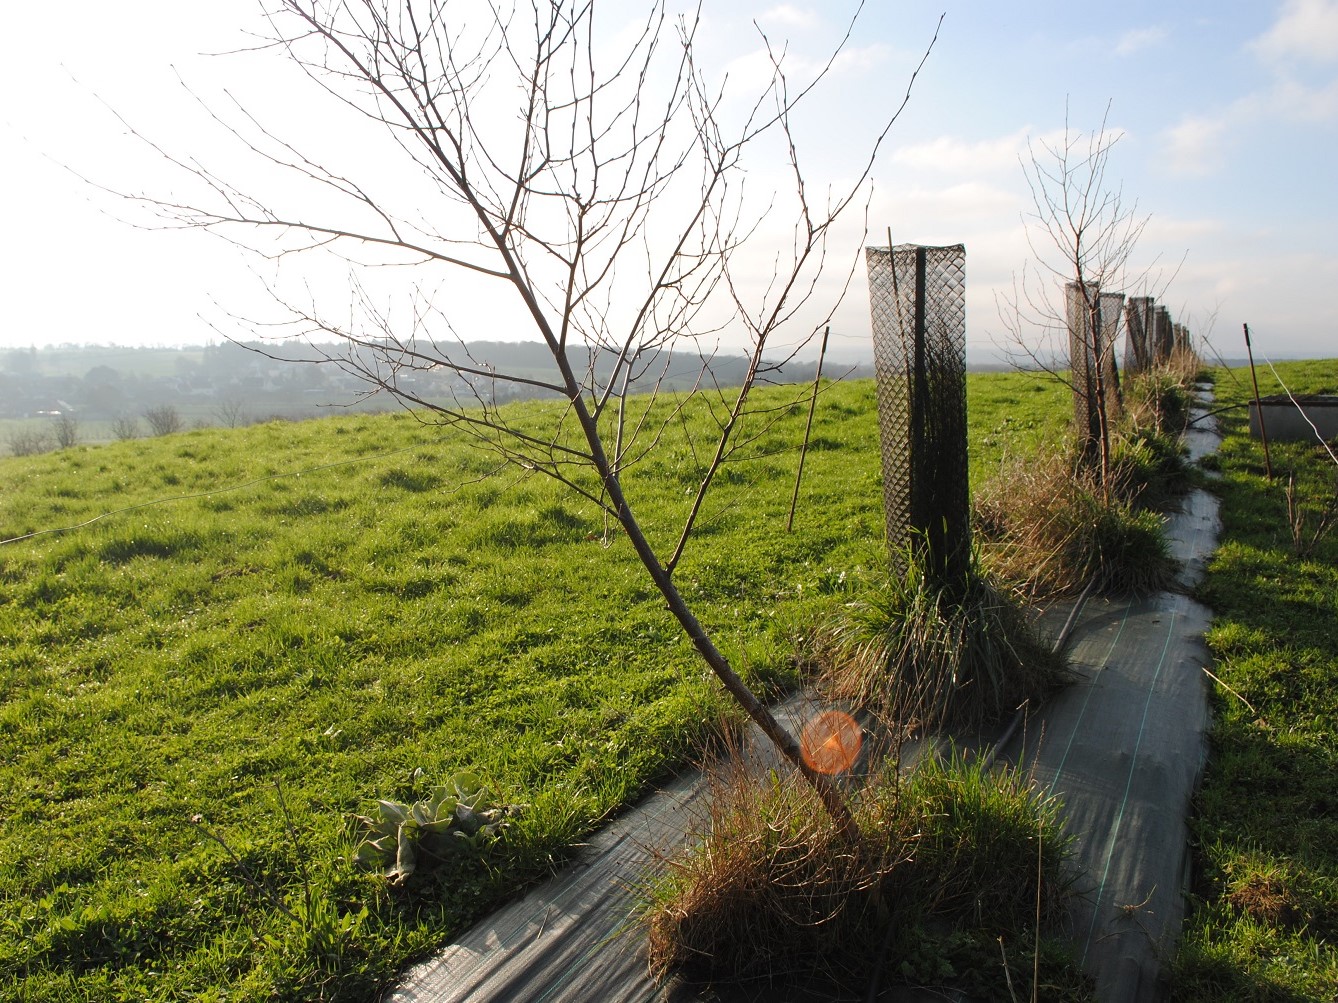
point(774, 888)
point(775, 892)
point(917, 652)
point(1049, 527)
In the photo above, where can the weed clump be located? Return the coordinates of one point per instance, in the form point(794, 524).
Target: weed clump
point(1052, 529)
point(947, 861)
point(1052, 525)
point(930, 654)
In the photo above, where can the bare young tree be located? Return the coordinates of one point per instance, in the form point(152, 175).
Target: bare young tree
point(1082, 233)
point(125, 426)
point(164, 419)
point(598, 189)
point(231, 413)
point(66, 428)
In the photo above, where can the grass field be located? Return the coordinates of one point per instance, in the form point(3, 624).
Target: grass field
point(1264, 921)
point(266, 629)
point(221, 645)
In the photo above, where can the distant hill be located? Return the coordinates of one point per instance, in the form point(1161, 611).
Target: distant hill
point(231, 383)
point(295, 380)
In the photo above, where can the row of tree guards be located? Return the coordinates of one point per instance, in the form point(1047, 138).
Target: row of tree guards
point(917, 299)
point(1093, 321)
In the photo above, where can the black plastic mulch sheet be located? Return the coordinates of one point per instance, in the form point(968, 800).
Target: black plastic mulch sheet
point(1124, 751)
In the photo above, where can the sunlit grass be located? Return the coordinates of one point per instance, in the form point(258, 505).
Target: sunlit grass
point(1265, 909)
point(329, 607)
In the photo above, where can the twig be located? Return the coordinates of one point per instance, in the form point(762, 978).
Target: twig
point(803, 449)
point(245, 871)
point(1230, 690)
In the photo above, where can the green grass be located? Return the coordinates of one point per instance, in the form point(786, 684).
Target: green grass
point(1013, 415)
point(1265, 911)
point(243, 638)
point(235, 624)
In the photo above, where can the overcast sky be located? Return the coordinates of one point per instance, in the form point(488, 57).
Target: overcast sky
point(1228, 111)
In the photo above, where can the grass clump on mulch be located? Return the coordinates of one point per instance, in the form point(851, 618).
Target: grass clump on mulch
point(948, 861)
point(929, 654)
point(1051, 525)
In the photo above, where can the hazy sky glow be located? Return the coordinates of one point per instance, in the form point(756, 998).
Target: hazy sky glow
point(1228, 109)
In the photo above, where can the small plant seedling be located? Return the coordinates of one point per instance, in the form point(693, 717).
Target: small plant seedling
point(457, 813)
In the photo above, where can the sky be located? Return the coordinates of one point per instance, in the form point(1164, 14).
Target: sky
point(1225, 114)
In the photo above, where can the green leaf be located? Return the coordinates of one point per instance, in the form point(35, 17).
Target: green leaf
point(405, 861)
point(469, 785)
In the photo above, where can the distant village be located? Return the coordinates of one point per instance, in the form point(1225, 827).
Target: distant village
point(232, 384)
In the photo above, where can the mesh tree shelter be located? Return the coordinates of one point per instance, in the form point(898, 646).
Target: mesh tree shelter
point(1163, 335)
point(1139, 325)
point(1111, 306)
point(917, 298)
point(1093, 319)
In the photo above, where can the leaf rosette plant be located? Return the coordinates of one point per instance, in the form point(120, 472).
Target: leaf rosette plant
point(455, 815)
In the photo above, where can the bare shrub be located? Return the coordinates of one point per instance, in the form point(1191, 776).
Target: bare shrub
point(231, 413)
point(163, 420)
point(66, 428)
point(125, 426)
point(1309, 526)
point(28, 442)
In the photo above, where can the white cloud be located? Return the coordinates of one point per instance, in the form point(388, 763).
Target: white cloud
point(857, 59)
point(1306, 29)
point(1294, 100)
point(789, 16)
point(1279, 293)
point(970, 202)
point(1169, 231)
point(1196, 145)
point(751, 73)
point(962, 156)
point(1138, 39)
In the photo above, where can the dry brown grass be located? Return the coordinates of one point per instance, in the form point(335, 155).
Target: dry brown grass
point(1267, 898)
point(1158, 400)
point(922, 656)
point(773, 889)
point(775, 893)
point(1185, 365)
point(1048, 527)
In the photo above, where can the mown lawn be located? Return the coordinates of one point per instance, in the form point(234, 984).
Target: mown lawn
point(1264, 921)
point(244, 637)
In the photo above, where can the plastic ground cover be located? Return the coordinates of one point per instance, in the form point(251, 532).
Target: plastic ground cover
point(1123, 748)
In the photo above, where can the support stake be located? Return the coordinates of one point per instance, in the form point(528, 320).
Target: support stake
point(1258, 407)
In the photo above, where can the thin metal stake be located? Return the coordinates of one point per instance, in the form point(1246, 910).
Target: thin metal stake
point(803, 449)
point(1258, 407)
